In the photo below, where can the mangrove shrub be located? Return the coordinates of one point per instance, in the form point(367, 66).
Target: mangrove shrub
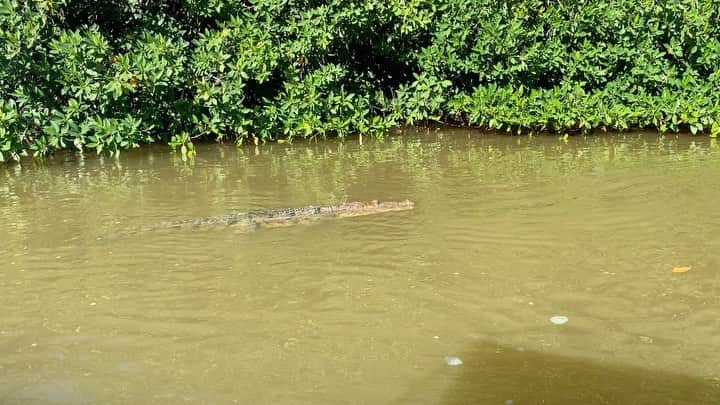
point(110, 75)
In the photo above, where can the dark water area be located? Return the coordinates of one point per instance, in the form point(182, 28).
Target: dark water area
point(507, 232)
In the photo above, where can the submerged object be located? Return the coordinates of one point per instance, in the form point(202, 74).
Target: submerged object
point(559, 319)
point(289, 216)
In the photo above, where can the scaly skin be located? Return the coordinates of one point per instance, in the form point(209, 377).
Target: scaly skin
point(289, 216)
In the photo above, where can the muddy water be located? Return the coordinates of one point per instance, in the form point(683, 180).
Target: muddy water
point(507, 232)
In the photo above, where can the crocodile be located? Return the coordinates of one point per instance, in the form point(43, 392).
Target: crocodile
point(289, 216)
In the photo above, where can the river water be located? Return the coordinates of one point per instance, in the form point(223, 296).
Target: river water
point(507, 232)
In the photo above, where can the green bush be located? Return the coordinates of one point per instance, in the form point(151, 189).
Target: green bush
point(116, 74)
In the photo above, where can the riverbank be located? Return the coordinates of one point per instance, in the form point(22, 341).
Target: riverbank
point(109, 77)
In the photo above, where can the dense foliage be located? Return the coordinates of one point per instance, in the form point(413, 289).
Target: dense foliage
point(113, 74)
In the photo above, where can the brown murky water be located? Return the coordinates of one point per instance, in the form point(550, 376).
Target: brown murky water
point(507, 232)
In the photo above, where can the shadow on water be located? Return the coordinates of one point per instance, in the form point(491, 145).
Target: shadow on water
point(494, 374)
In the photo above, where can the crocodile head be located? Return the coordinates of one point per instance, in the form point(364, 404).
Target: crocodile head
point(393, 205)
point(373, 207)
